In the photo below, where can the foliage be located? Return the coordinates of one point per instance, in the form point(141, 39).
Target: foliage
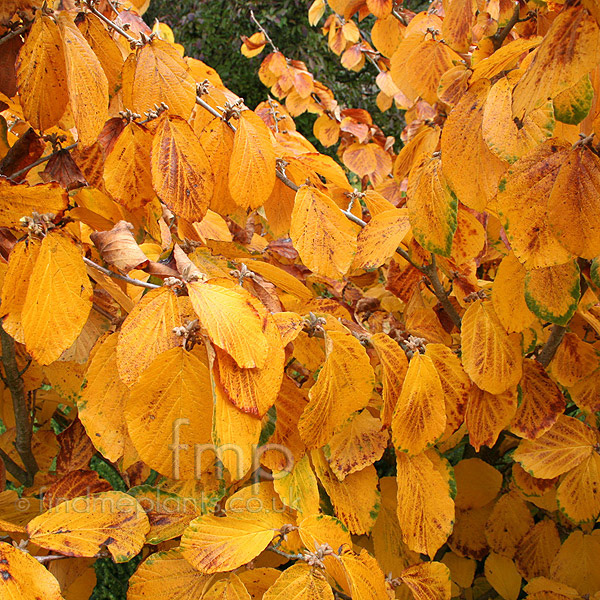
point(232, 373)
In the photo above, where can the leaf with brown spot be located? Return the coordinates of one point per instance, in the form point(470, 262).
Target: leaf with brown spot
point(428, 581)
point(119, 248)
point(76, 448)
point(75, 483)
point(537, 550)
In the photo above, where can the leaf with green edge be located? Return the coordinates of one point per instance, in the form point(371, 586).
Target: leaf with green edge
point(573, 105)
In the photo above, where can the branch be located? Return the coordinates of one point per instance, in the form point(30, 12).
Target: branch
point(22, 418)
point(551, 346)
point(40, 161)
point(263, 31)
point(50, 557)
point(430, 271)
point(499, 37)
point(285, 554)
point(129, 38)
point(12, 467)
point(91, 263)
point(14, 33)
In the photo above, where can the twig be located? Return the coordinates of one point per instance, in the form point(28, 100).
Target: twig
point(430, 271)
point(500, 36)
point(14, 33)
point(22, 417)
point(129, 38)
point(214, 112)
point(263, 31)
point(91, 263)
point(551, 346)
point(49, 558)
point(40, 161)
point(286, 554)
point(12, 467)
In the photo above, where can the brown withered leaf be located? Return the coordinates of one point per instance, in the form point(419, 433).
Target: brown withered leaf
point(8, 73)
point(81, 482)
point(25, 151)
point(63, 169)
point(107, 138)
point(119, 248)
point(76, 448)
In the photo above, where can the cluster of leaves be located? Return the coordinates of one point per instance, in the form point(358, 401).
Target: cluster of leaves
point(308, 390)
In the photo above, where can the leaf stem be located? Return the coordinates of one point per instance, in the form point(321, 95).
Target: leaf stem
point(14, 33)
point(144, 284)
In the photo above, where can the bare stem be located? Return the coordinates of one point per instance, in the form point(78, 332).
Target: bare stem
point(500, 36)
point(40, 161)
point(14, 33)
point(430, 271)
point(23, 422)
point(263, 31)
point(111, 24)
point(49, 558)
point(551, 346)
point(91, 263)
point(13, 468)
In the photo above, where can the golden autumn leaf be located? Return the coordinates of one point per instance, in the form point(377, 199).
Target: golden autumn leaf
point(231, 588)
point(567, 444)
point(425, 506)
point(366, 581)
point(491, 357)
point(23, 577)
point(377, 242)
point(300, 582)
point(171, 401)
point(167, 570)
point(86, 82)
point(573, 203)
point(298, 488)
point(232, 322)
point(42, 74)
point(324, 238)
point(540, 402)
point(456, 27)
point(181, 172)
point(503, 576)
point(252, 164)
point(253, 45)
point(432, 207)
point(569, 51)
point(419, 418)
point(463, 144)
point(161, 75)
point(428, 581)
point(58, 303)
point(573, 105)
point(214, 544)
point(578, 494)
point(509, 522)
point(574, 360)
point(80, 527)
point(552, 293)
point(576, 561)
point(368, 160)
point(537, 550)
point(477, 483)
point(344, 386)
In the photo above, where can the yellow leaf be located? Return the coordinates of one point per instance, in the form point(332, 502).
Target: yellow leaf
point(58, 300)
point(80, 527)
point(127, 174)
point(214, 544)
point(505, 58)
point(394, 366)
point(578, 494)
point(355, 500)
point(576, 563)
point(365, 578)
point(428, 581)
point(537, 550)
point(432, 207)
point(24, 577)
point(300, 582)
point(103, 400)
point(522, 200)
point(462, 570)
point(463, 144)
point(259, 580)
point(573, 204)
point(42, 74)
point(386, 34)
point(559, 450)
point(169, 413)
point(86, 81)
point(457, 24)
point(574, 104)
point(344, 386)
point(468, 535)
point(21, 200)
point(368, 160)
point(503, 576)
point(425, 506)
point(508, 524)
point(569, 51)
point(298, 488)
point(253, 45)
point(161, 75)
point(14, 287)
point(232, 322)
point(147, 332)
point(359, 443)
point(469, 238)
point(574, 360)
point(282, 279)
point(231, 588)
point(507, 139)
point(508, 295)
point(167, 571)
point(377, 242)
point(252, 165)
point(540, 402)
point(324, 238)
point(315, 12)
point(419, 418)
point(422, 145)
point(254, 390)
point(553, 293)
point(477, 483)
point(181, 172)
point(491, 357)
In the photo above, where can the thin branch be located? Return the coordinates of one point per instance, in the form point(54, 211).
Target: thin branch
point(214, 112)
point(49, 558)
point(263, 31)
point(22, 416)
point(14, 33)
point(551, 346)
point(129, 38)
point(40, 161)
point(91, 263)
point(430, 271)
point(286, 554)
point(500, 36)
point(12, 467)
